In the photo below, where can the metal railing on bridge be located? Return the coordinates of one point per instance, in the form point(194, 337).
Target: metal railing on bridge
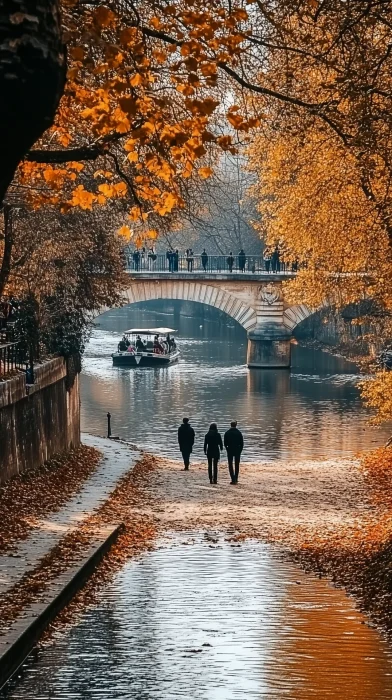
point(213, 263)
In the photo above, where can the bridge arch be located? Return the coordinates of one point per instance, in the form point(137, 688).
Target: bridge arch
point(147, 290)
point(294, 315)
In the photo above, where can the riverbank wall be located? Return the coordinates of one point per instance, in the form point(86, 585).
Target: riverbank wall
point(343, 331)
point(39, 420)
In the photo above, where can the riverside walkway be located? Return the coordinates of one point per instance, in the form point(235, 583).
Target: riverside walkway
point(117, 460)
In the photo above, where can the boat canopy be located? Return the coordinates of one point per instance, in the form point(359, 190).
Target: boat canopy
point(149, 331)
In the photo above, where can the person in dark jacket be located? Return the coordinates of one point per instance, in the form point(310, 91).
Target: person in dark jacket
point(234, 443)
point(275, 260)
point(212, 446)
point(242, 260)
point(136, 260)
point(230, 262)
point(204, 259)
point(186, 439)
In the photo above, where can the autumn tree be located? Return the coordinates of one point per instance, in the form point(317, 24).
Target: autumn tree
point(66, 269)
point(324, 176)
point(152, 87)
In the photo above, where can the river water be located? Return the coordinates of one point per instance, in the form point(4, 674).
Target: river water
point(313, 411)
point(200, 617)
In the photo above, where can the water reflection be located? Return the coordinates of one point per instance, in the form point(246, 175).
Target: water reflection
point(213, 622)
point(312, 411)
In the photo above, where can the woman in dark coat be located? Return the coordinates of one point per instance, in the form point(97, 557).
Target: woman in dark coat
point(212, 446)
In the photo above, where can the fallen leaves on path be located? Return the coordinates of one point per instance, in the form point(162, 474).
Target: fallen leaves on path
point(34, 494)
point(333, 517)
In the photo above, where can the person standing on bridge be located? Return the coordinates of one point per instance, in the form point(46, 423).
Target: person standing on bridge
point(136, 260)
point(186, 439)
point(234, 443)
point(230, 262)
point(275, 260)
point(212, 446)
point(242, 260)
point(189, 259)
point(267, 259)
point(176, 257)
point(169, 256)
point(204, 260)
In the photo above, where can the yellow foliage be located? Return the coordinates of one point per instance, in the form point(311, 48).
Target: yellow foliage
point(377, 393)
point(125, 232)
point(81, 198)
point(205, 172)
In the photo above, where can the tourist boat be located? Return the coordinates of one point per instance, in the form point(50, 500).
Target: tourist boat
point(130, 352)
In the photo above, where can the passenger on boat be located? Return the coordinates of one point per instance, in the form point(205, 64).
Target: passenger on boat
point(139, 344)
point(123, 344)
point(158, 348)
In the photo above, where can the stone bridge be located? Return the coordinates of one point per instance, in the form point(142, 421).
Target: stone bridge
point(256, 301)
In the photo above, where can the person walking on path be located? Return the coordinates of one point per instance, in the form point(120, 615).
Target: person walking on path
point(186, 439)
point(234, 443)
point(204, 259)
point(212, 446)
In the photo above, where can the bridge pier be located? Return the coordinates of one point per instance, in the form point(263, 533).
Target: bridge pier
point(269, 346)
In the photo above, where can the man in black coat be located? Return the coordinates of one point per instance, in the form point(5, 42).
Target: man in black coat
point(234, 443)
point(186, 439)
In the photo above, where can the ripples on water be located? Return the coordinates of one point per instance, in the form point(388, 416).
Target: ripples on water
point(206, 619)
point(312, 411)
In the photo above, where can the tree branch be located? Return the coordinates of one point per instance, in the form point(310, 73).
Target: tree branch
point(65, 155)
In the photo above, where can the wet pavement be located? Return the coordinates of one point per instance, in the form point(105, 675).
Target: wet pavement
point(201, 617)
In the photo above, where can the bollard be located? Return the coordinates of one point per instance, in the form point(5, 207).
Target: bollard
point(109, 426)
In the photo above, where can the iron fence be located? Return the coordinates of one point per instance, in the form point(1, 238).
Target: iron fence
point(211, 263)
point(11, 358)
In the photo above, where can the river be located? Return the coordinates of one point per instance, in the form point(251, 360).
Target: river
point(201, 617)
point(312, 411)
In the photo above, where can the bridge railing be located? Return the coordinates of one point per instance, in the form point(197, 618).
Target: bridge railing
point(213, 263)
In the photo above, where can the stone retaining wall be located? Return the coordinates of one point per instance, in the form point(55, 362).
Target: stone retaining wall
point(39, 421)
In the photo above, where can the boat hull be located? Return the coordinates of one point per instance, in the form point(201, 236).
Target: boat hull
point(144, 359)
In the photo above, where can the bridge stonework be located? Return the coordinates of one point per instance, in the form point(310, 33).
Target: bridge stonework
point(256, 301)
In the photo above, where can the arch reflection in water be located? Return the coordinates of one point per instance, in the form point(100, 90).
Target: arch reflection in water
point(312, 411)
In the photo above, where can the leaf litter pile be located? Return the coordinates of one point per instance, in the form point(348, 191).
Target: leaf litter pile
point(34, 494)
point(359, 557)
point(120, 507)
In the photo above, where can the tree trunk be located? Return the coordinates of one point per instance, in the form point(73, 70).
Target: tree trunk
point(32, 77)
point(7, 252)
